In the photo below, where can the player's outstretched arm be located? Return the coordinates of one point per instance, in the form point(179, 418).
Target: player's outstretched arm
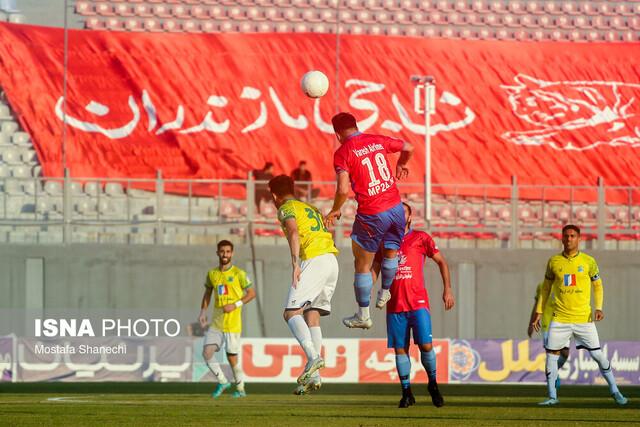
point(401, 169)
point(447, 295)
point(293, 237)
point(342, 193)
point(206, 298)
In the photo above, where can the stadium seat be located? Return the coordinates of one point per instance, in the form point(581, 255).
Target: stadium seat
point(114, 24)
point(85, 8)
point(170, 25)
point(104, 9)
point(124, 10)
point(497, 6)
point(257, 14)
point(190, 26)
point(142, 10)
point(587, 8)
point(480, 6)
point(114, 189)
point(534, 7)
point(21, 172)
point(21, 138)
point(516, 7)
point(161, 11)
point(10, 156)
point(94, 23)
point(569, 8)
point(133, 24)
point(180, 12)
point(8, 128)
point(152, 25)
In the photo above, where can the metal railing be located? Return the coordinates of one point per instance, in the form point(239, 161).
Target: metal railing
point(162, 211)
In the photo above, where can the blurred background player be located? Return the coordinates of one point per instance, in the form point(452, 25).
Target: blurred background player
point(569, 276)
point(231, 289)
point(314, 274)
point(544, 326)
point(303, 174)
point(408, 308)
point(362, 161)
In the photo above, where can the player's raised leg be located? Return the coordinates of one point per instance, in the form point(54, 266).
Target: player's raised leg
point(392, 240)
point(212, 343)
point(363, 285)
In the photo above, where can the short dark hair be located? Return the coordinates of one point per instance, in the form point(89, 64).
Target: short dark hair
point(281, 185)
point(267, 165)
point(223, 243)
point(571, 227)
point(302, 162)
point(343, 121)
point(408, 207)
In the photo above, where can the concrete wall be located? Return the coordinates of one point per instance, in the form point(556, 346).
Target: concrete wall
point(494, 288)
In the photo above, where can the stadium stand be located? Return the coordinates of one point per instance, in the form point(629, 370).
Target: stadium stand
point(38, 209)
point(571, 20)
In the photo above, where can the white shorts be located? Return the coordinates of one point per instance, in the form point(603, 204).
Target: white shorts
point(316, 285)
point(230, 340)
point(585, 334)
point(545, 340)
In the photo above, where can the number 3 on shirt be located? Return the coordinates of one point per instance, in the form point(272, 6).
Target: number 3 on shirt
point(311, 214)
point(383, 170)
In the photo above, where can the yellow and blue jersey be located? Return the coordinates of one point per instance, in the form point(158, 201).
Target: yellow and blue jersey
point(228, 287)
point(315, 239)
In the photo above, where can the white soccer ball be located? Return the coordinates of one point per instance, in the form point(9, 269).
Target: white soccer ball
point(315, 84)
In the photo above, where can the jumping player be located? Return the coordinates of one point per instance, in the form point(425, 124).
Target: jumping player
point(570, 276)
point(231, 289)
point(314, 275)
point(408, 308)
point(362, 161)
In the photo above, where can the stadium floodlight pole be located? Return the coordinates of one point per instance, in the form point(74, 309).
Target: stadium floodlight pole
point(425, 91)
point(64, 89)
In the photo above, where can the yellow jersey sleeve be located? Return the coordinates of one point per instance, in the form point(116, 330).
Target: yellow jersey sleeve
point(594, 271)
point(243, 278)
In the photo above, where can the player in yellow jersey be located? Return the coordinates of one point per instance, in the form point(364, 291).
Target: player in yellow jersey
point(544, 326)
point(314, 275)
point(570, 276)
point(231, 289)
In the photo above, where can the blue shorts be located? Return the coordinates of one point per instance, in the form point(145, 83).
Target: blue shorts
point(400, 325)
point(386, 227)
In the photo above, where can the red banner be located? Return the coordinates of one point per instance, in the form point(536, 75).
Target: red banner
point(219, 105)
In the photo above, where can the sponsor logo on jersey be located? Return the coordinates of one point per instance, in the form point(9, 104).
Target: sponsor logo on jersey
point(580, 269)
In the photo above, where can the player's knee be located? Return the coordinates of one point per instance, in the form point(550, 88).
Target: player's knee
point(556, 352)
point(401, 351)
point(208, 351)
point(426, 347)
point(565, 352)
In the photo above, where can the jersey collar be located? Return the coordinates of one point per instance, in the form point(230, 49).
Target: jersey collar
point(352, 135)
point(570, 257)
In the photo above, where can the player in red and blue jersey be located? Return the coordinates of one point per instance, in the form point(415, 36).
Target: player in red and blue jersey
point(408, 309)
point(362, 160)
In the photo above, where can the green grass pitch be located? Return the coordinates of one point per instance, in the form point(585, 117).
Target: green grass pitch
point(176, 404)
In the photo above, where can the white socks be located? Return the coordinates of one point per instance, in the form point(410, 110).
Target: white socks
point(301, 331)
point(363, 313)
point(605, 369)
point(239, 377)
point(215, 369)
point(552, 374)
point(316, 337)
